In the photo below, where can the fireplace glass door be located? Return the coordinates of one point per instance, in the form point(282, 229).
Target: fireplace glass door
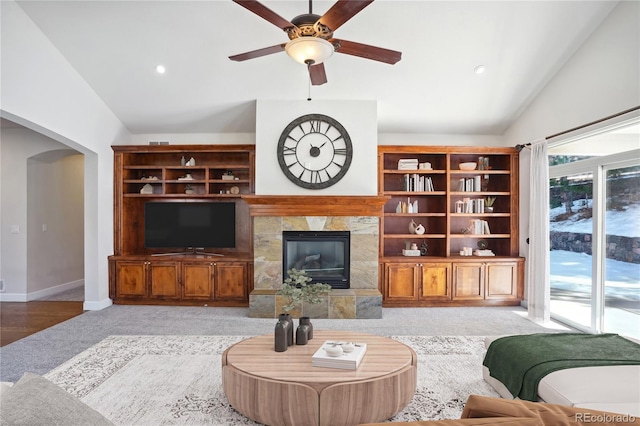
point(323, 255)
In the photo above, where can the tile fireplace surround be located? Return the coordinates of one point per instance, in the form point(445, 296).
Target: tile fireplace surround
point(358, 214)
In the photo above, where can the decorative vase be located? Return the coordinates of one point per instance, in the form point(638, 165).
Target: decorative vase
point(302, 334)
point(280, 335)
point(287, 318)
point(307, 321)
point(412, 227)
point(488, 209)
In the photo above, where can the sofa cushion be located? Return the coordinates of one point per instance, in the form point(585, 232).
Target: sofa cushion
point(607, 388)
point(35, 401)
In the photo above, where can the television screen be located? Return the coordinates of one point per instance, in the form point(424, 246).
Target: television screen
point(189, 225)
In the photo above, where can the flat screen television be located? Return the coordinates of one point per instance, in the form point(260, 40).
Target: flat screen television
point(176, 225)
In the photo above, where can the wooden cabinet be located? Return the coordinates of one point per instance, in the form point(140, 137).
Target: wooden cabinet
point(468, 281)
point(197, 280)
point(453, 206)
point(180, 281)
point(152, 173)
point(144, 279)
point(416, 282)
point(231, 281)
point(486, 281)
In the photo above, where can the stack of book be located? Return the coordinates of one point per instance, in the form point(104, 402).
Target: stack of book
point(345, 361)
point(408, 164)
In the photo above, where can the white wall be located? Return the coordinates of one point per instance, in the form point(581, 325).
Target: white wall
point(602, 78)
point(32, 260)
point(41, 91)
point(55, 248)
point(359, 118)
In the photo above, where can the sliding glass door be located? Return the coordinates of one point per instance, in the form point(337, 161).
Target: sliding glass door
point(571, 260)
point(594, 225)
point(622, 231)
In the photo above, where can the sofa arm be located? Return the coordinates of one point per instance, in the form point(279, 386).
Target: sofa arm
point(548, 414)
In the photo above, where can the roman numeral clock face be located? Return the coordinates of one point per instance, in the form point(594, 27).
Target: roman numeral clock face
point(314, 151)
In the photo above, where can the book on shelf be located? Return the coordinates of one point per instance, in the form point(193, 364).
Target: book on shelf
point(473, 184)
point(479, 227)
point(417, 183)
point(346, 361)
point(408, 164)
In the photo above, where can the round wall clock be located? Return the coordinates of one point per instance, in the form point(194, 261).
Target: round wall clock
point(314, 151)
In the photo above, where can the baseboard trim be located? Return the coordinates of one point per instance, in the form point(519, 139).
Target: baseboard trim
point(97, 306)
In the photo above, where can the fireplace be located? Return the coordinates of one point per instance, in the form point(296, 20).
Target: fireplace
point(324, 255)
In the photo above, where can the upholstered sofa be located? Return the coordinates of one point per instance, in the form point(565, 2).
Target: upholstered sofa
point(605, 388)
point(483, 410)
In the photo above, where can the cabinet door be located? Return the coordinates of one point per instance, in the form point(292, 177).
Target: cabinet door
point(401, 281)
point(436, 281)
point(502, 280)
point(164, 280)
point(468, 281)
point(230, 280)
point(197, 280)
point(131, 279)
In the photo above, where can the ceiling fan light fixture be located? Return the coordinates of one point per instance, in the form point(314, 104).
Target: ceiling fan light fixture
point(305, 50)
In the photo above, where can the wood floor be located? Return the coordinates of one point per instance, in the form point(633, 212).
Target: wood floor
point(21, 319)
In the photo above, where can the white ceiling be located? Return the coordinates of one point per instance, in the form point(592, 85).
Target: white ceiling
point(116, 45)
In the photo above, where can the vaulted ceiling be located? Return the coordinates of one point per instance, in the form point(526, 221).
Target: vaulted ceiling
point(116, 45)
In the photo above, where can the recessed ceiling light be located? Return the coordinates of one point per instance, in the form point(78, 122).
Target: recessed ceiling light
point(480, 69)
point(160, 69)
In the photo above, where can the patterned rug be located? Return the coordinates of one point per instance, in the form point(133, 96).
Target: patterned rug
point(176, 380)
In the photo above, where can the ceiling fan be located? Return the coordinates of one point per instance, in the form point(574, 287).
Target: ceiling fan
point(311, 37)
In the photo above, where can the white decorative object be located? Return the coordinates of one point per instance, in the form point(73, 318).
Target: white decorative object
point(420, 229)
point(191, 162)
point(348, 347)
point(412, 227)
point(344, 360)
point(399, 207)
point(406, 252)
point(147, 189)
point(468, 166)
point(415, 206)
point(333, 350)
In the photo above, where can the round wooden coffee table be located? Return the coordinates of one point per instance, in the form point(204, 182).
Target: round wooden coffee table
point(282, 388)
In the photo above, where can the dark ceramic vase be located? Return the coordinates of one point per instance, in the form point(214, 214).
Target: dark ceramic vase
point(302, 334)
point(281, 335)
point(307, 321)
point(287, 317)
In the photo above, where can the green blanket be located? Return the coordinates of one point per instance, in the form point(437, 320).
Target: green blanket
point(520, 362)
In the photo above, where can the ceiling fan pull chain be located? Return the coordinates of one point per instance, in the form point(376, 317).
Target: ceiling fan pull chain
point(309, 83)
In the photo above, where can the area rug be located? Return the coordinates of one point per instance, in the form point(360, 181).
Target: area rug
point(176, 380)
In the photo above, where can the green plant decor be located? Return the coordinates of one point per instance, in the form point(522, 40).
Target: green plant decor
point(489, 201)
point(296, 289)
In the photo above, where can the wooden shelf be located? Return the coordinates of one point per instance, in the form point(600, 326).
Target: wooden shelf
point(442, 277)
point(136, 276)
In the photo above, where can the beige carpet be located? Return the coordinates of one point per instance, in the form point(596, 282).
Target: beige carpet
point(176, 380)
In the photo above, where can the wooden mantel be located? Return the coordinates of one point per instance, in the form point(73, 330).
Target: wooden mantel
point(317, 205)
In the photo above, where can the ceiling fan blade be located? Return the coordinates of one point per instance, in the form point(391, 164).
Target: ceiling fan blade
point(264, 12)
point(366, 51)
point(257, 53)
point(342, 11)
point(317, 74)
